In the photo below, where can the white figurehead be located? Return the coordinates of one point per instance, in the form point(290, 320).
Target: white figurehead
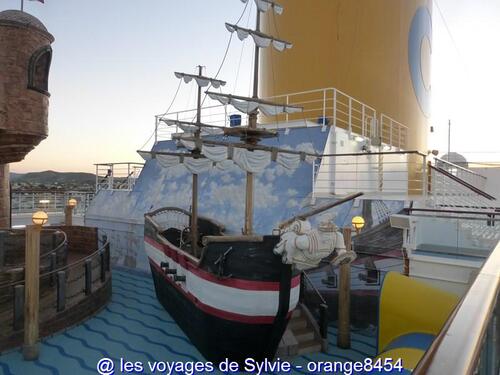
point(306, 247)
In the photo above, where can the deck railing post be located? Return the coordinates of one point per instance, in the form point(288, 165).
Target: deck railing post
point(350, 115)
point(88, 277)
point(18, 307)
point(344, 304)
point(424, 176)
point(102, 257)
point(53, 265)
point(61, 291)
point(335, 107)
point(323, 319)
point(108, 257)
point(324, 107)
point(390, 134)
point(364, 127)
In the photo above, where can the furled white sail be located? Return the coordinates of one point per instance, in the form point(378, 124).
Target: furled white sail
point(288, 161)
point(260, 39)
point(197, 166)
point(249, 105)
point(169, 161)
point(200, 80)
point(251, 161)
point(204, 131)
point(190, 145)
point(215, 153)
point(222, 157)
point(265, 5)
point(194, 165)
point(192, 127)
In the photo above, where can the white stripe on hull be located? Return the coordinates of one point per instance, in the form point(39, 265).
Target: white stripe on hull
point(234, 300)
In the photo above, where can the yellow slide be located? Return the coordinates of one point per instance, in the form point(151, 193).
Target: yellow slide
point(411, 314)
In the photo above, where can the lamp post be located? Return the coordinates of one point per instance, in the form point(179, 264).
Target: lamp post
point(68, 211)
point(344, 334)
point(32, 285)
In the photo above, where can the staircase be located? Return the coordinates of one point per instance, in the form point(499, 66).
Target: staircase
point(301, 336)
point(304, 332)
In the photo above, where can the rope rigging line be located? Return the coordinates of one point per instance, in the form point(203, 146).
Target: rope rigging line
point(163, 114)
point(242, 50)
point(225, 55)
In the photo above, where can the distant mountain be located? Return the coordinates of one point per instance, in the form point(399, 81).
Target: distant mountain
point(52, 178)
point(14, 176)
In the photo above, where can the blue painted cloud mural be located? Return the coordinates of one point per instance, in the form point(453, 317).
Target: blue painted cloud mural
point(279, 192)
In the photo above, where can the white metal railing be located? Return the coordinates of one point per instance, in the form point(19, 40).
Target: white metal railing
point(324, 107)
point(330, 106)
point(117, 176)
point(217, 115)
point(393, 132)
point(401, 173)
point(448, 190)
point(397, 173)
point(465, 174)
point(28, 201)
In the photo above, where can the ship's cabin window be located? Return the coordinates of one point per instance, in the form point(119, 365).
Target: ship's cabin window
point(39, 67)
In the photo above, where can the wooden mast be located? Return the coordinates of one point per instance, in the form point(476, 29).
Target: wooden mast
point(252, 124)
point(194, 198)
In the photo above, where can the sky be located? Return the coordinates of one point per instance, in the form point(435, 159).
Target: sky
point(113, 65)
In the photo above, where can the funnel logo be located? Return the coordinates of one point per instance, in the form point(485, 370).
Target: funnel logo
point(420, 36)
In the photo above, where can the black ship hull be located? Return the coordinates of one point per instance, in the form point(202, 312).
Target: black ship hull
point(233, 302)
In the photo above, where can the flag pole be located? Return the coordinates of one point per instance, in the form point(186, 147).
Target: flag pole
point(22, 5)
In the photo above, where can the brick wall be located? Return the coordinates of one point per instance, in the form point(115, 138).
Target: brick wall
point(83, 240)
point(26, 110)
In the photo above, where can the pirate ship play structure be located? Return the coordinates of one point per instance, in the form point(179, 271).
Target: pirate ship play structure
point(232, 294)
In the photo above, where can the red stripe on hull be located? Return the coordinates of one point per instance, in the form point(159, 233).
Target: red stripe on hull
point(212, 310)
point(185, 262)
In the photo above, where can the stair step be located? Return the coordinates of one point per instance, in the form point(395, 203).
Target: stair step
point(304, 335)
point(288, 345)
point(310, 346)
point(297, 323)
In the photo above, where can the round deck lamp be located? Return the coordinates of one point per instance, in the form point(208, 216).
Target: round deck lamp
point(358, 223)
point(40, 218)
point(72, 202)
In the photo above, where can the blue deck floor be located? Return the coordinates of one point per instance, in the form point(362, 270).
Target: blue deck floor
point(134, 326)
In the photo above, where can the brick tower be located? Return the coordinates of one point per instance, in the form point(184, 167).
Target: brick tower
point(25, 57)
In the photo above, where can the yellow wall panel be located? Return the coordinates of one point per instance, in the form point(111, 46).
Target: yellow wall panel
point(377, 51)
